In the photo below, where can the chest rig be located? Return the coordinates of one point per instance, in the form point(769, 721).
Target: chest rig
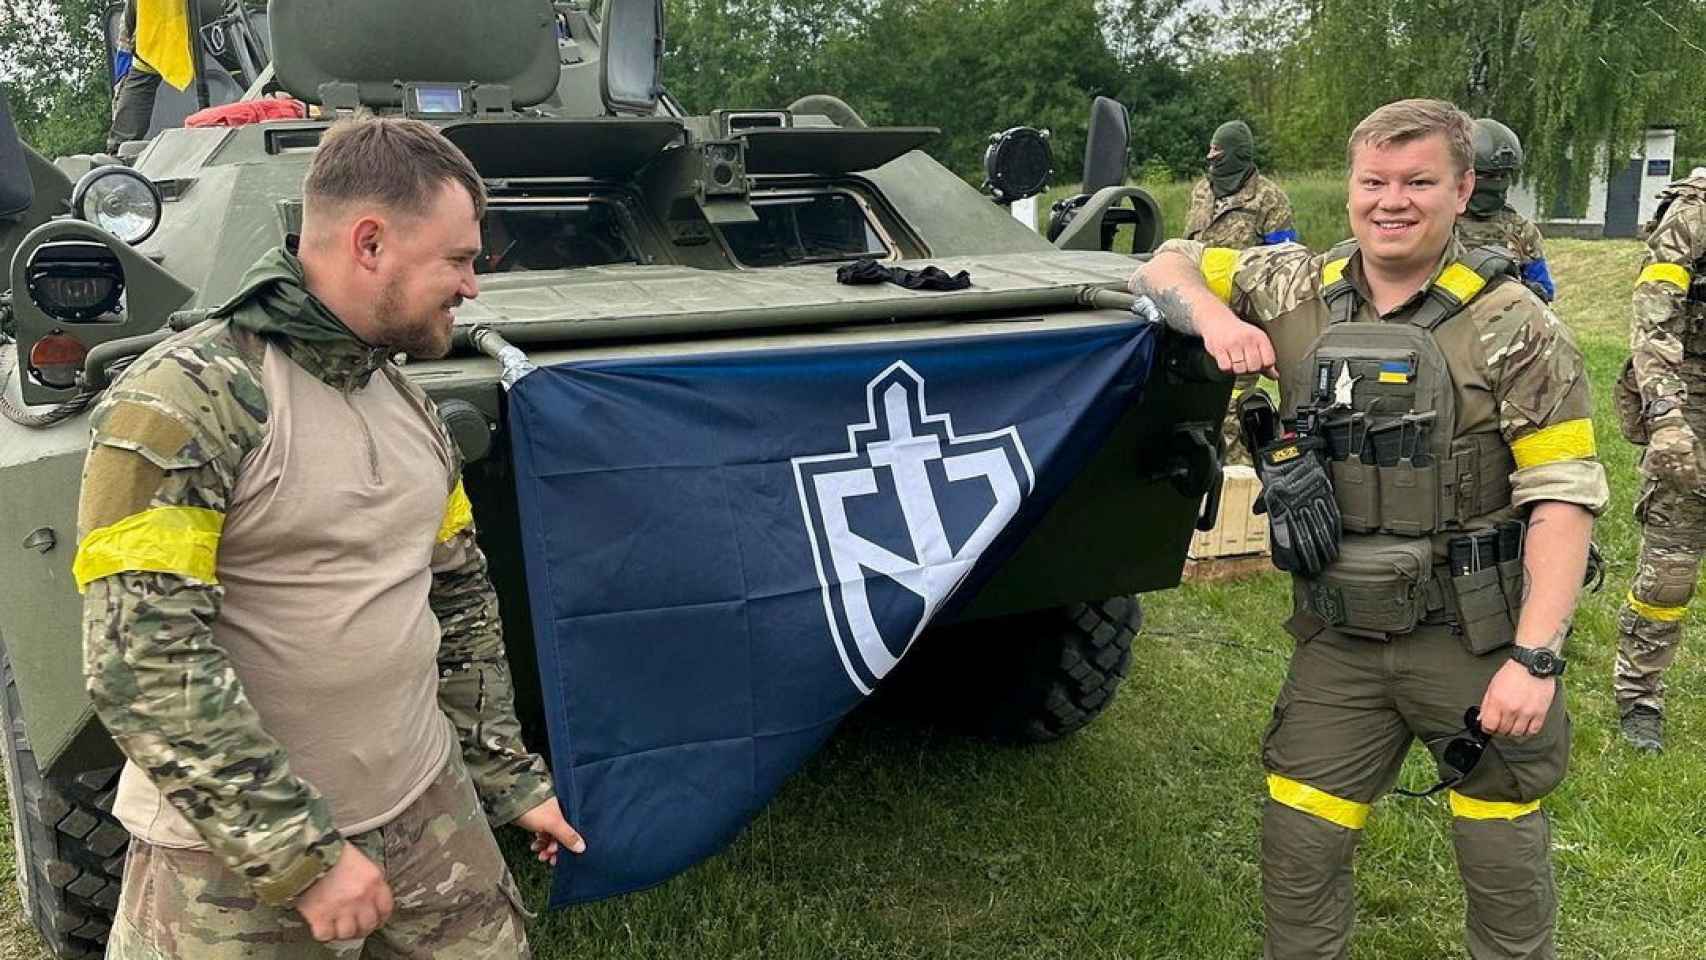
point(1407, 473)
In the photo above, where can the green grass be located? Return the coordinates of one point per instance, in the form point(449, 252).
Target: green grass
point(1138, 838)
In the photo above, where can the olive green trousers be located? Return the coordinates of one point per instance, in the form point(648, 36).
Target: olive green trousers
point(1344, 721)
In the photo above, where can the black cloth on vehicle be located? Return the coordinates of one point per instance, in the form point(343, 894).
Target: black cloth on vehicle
point(929, 278)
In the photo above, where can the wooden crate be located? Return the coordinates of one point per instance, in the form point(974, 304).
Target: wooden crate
point(1237, 532)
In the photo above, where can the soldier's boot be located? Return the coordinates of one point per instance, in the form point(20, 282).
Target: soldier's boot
point(1643, 727)
point(1506, 865)
point(1308, 899)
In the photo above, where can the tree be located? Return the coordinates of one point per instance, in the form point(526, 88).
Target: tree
point(53, 71)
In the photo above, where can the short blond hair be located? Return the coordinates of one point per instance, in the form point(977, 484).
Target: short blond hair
point(1402, 121)
point(397, 162)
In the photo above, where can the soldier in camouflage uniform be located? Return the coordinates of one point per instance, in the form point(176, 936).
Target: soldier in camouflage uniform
point(1490, 221)
point(288, 625)
point(1236, 207)
point(1665, 387)
point(1392, 643)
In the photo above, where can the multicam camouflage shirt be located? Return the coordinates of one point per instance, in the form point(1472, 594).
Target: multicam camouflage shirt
point(1668, 324)
point(1532, 368)
point(1257, 213)
point(1520, 236)
point(170, 443)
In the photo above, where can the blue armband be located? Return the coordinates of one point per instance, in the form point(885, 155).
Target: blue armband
point(1288, 235)
point(1536, 274)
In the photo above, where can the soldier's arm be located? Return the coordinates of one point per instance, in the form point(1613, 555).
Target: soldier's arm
point(1218, 293)
point(1278, 223)
point(1535, 271)
point(474, 686)
point(1545, 413)
point(155, 490)
point(1655, 338)
point(1540, 383)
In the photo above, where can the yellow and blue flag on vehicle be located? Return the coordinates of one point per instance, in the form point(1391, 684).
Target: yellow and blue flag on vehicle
point(163, 40)
point(725, 554)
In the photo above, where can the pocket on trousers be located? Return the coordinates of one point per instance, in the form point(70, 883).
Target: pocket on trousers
point(512, 893)
point(1536, 766)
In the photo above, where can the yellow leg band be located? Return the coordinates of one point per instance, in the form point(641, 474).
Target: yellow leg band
point(1469, 808)
point(1317, 803)
point(1648, 611)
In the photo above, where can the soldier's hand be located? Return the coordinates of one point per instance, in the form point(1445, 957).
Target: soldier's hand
point(349, 901)
point(1516, 702)
point(1238, 347)
point(550, 831)
point(1672, 455)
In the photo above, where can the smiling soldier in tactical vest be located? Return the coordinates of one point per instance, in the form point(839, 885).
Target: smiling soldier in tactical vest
point(1432, 487)
point(288, 625)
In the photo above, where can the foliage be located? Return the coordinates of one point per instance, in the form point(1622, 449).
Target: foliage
point(971, 67)
point(1570, 76)
point(53, 72)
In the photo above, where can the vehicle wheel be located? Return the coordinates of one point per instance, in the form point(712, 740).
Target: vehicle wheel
point(70, 849)
point(1027, 678)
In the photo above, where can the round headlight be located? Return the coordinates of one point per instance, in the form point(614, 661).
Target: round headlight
point(120, 201)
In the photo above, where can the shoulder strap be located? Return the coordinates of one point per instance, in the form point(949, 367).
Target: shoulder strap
point(1336, 288)
point(1462, 281)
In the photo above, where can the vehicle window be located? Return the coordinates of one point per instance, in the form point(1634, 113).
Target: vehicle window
point(805, 228)
point(554, 236)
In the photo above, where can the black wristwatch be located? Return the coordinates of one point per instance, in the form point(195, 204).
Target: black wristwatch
point(1539, 661)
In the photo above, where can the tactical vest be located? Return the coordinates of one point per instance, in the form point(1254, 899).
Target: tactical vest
point(1407, 474)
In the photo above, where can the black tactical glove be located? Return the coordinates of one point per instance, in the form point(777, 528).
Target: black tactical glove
point(1297, 493)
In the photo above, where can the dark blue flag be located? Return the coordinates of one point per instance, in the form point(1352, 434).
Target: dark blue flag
point(726, 553)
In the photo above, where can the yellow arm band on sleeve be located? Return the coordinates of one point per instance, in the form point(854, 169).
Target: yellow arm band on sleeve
point(1570, 440)
point(458, 513)
point(1469, 808)
point(1317, 803)
point(180, 540)
point(1676, 276)
point(1218, 265)
point(1648, 611)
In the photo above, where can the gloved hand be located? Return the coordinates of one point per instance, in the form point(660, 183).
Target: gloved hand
point(1671, 457)
point(1297, 493)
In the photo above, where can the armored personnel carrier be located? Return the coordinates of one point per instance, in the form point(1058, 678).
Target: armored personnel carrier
point(619, 227)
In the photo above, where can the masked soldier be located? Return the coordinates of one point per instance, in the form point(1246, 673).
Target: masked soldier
point(1662, 403)
point(1431, 484)
point(1236, 207)
point(1490, 221)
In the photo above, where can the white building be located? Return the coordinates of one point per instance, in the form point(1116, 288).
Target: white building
point(1616, 206)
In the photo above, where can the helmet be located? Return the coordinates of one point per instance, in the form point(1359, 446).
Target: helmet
point(1497, 149)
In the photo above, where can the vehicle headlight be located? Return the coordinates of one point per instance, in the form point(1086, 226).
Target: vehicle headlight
point(76, 281)
point(120, 201)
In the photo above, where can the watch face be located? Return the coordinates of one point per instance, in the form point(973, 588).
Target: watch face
point(1544, 661)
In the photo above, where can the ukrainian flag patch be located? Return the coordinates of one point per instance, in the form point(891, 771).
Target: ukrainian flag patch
point(1395, 371)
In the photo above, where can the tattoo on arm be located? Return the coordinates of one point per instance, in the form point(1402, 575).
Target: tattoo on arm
point(1556, 642)
point(1174, 311)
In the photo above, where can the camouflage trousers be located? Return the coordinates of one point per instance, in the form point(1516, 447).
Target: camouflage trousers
point(455, 898)
point(1673, 537)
